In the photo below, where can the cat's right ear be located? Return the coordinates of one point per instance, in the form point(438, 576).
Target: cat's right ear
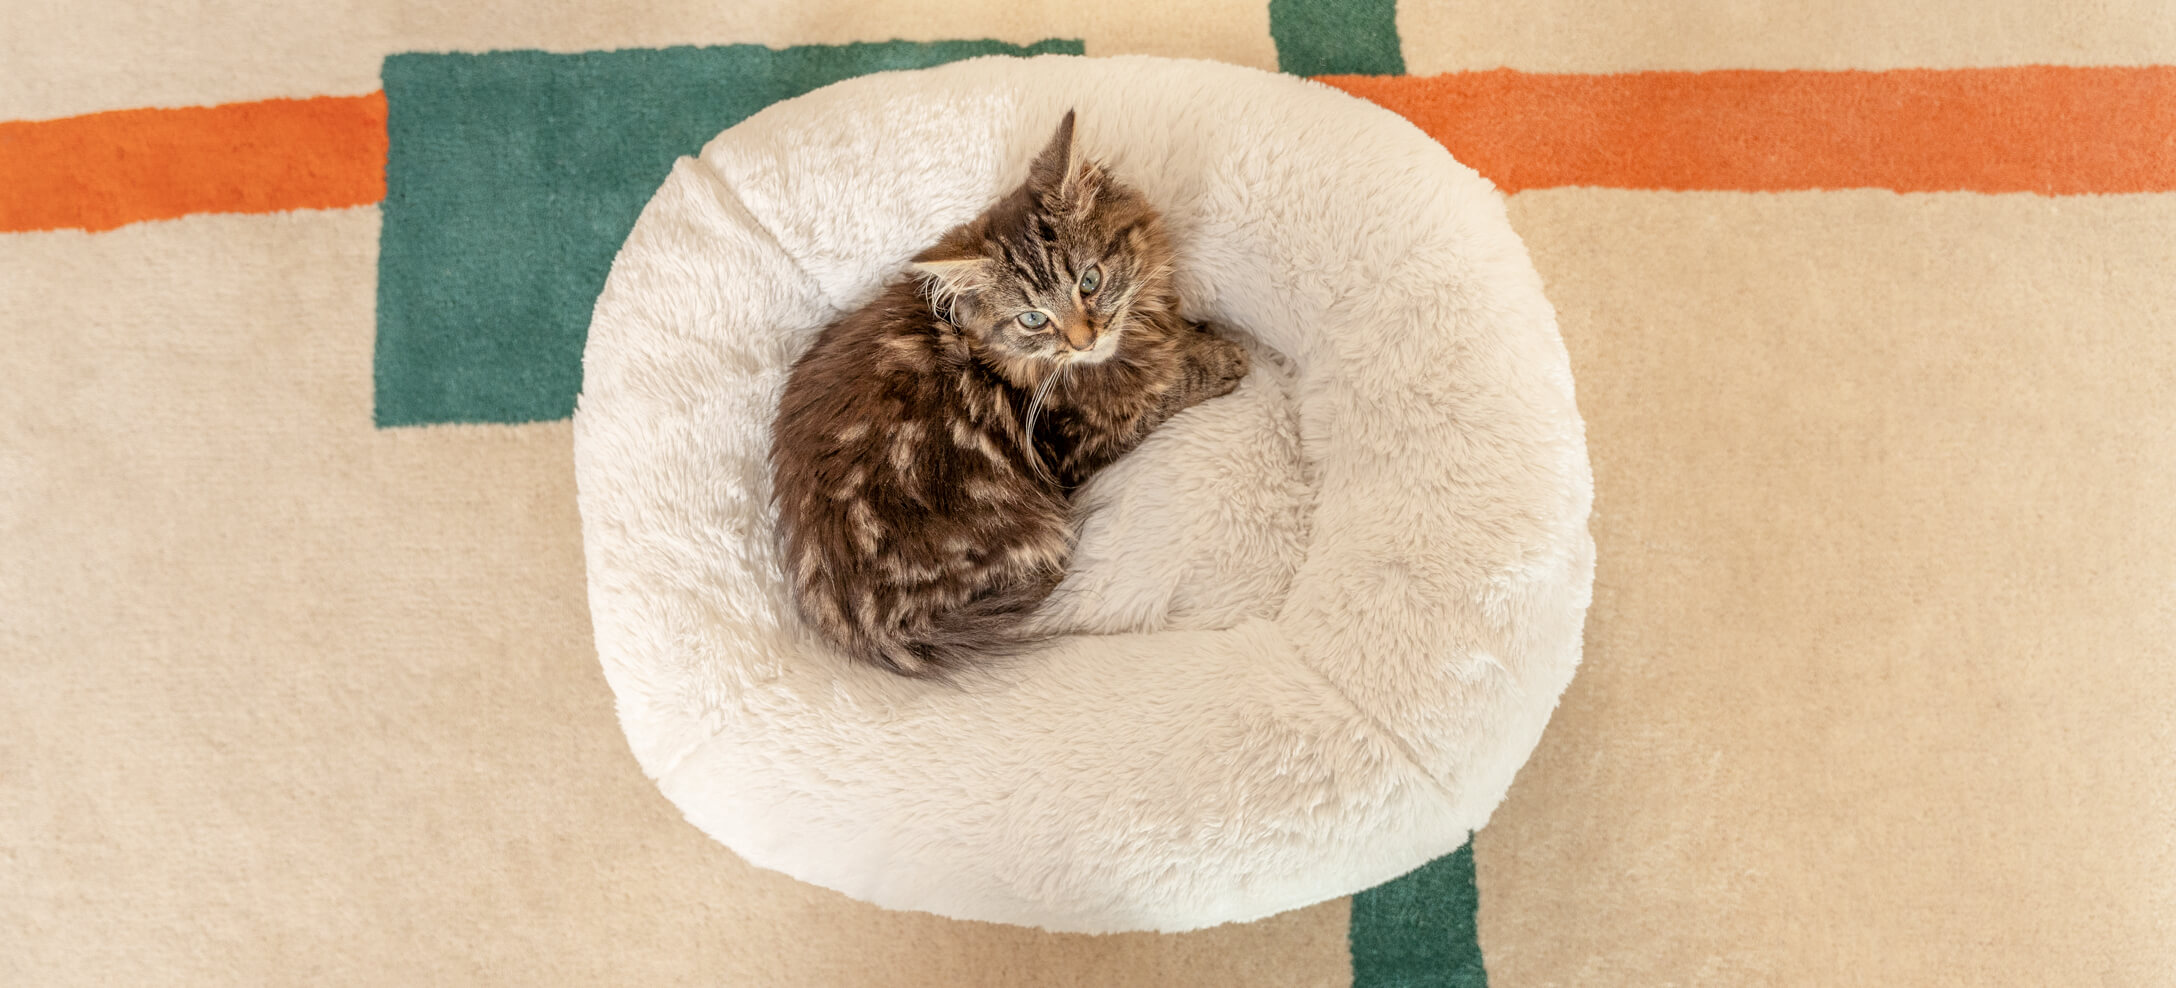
point(949, 278)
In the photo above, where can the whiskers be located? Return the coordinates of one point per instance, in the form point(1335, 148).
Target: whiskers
point(1035, 411)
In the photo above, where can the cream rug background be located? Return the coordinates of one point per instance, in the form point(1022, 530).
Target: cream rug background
point(1880, 685)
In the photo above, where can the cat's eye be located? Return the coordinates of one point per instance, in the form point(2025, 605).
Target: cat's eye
point(1091, 279)
point(1033, 319)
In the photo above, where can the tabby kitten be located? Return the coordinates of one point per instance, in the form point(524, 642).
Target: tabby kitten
point(927, 443)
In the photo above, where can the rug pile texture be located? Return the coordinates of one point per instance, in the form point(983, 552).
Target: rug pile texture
point(1871, 308)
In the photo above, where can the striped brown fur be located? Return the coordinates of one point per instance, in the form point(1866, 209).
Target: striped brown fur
point(928, 443)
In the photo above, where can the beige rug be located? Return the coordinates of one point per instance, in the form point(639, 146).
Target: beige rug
point(296, 684)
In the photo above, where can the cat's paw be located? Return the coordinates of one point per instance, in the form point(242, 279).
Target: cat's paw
point(1223, 364)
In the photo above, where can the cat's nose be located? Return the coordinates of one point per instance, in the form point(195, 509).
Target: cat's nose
point(1080, 335)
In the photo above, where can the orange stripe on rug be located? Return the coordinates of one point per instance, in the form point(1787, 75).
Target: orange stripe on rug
point(2046, 129)
point(103, 170)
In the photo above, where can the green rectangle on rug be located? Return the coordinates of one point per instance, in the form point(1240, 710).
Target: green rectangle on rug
point(511, 179)
point(1337, 37)
point(1420, 930)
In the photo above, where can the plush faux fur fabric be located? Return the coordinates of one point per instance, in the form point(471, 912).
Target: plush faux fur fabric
point(1321, 623)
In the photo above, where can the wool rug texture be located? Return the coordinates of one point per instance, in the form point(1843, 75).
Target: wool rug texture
point(1871, 308)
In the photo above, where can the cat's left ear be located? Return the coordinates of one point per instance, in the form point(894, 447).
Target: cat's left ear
point(1061, 176)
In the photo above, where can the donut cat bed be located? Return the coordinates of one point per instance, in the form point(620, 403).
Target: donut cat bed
point(1320, 622)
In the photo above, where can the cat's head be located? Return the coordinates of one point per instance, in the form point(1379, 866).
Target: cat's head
point(1059, 269)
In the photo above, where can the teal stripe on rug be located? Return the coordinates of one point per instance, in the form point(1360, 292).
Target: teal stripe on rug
point(511, 179)
point(1336, 37)
point(1419, 931)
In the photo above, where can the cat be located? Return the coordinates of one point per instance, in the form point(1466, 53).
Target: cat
point(927, 444)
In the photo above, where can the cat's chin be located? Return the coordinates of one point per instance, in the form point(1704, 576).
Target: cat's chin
point(1106, 347)
point(1029, 372)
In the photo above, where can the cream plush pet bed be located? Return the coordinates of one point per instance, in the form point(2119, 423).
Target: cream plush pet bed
point(1322, 620)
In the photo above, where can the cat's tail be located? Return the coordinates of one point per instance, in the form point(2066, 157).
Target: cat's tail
point(996, 625)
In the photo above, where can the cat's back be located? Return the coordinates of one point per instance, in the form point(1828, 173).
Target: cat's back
point(913, 530)
point(888, 427)
point(873, 368)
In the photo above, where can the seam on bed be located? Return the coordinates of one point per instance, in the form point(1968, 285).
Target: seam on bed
point(1381, 731)
point(732, 197)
